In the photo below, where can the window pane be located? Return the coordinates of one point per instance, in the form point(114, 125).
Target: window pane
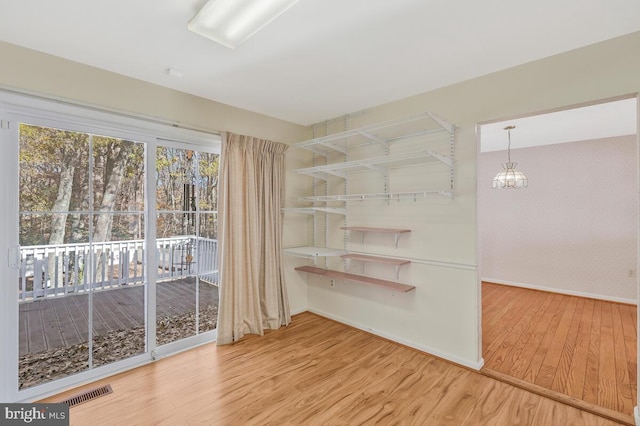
point(81, 234)
point(176, 288)
point(118, 289)
point(208, 225)
point(53, 332)
point(53, 171)
point(187, 250)
point(118, 175)
point(208, 181)
point(175, 179)
point(208, 312)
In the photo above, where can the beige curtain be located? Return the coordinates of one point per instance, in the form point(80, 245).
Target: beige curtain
point(253, 295)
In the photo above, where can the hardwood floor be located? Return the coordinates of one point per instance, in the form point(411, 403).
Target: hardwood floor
point(315, 372)
point(582, 348)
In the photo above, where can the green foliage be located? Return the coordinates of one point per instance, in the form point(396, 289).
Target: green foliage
point(47, 155)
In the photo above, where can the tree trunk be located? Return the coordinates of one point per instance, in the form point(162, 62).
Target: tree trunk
point(59, 219)
point(115, 167)
point(114, 170)
point(65, 189)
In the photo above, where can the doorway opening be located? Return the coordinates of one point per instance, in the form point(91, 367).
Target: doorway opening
point(558, 258)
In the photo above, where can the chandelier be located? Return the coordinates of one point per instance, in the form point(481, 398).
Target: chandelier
point(509, 178)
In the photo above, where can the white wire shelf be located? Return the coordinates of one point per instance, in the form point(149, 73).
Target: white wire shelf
point(314, 210)
point(313, 252)
point(409, 127)
point(365, 229)
point(377, 164)
point(380, 196)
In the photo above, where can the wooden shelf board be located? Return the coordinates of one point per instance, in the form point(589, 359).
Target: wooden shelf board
point(375, 259)
point(330, 273)
point(368, 229)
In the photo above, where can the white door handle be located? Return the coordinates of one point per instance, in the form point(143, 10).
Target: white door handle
point(14, 257)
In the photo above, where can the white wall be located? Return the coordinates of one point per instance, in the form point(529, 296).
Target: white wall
point(442, 316)
point(573, 230)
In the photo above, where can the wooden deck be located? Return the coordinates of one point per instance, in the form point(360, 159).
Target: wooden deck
point(63, 321)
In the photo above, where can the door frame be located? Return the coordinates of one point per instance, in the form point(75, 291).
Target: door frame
point(479, 225)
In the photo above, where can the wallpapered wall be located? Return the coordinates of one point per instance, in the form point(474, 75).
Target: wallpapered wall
point(574, 229)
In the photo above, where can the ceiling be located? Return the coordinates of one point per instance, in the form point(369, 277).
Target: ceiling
point(603, 120)
point(322, 58)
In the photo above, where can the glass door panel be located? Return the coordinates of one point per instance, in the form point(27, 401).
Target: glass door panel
point(81, 281)
point(187, 273)
point(53, 302)
point(118, 242)
point(118, 295)
point(175, 289)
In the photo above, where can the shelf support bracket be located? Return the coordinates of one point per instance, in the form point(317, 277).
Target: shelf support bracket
point(442, 158)
point(397, 235)
point(334, 147)
point(375, 138)
point(445, 124)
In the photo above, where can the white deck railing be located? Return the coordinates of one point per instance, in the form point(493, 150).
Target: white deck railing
point(57, 270)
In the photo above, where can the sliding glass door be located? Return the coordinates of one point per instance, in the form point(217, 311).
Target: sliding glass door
point(111, 242)
point(187, 292)
point(81, 283)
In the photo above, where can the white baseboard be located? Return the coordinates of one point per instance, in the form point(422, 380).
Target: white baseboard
point(562, 291)
point(449, 357)
point(298, 311)
point(636, 415)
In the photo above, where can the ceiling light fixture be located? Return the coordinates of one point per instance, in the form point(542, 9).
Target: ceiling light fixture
point(230, 22)
point(509, 178)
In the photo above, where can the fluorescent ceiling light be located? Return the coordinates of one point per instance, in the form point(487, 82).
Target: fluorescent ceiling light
point(230, 22)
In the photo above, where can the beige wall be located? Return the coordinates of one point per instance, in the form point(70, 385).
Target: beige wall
point(29, 70)
point(442, 316)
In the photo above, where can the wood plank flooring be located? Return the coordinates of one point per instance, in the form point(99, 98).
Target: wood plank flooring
point(315, 372)
point(63, 321)
point(582, 348)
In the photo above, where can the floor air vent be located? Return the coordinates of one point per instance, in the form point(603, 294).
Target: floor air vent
point(87, 396)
